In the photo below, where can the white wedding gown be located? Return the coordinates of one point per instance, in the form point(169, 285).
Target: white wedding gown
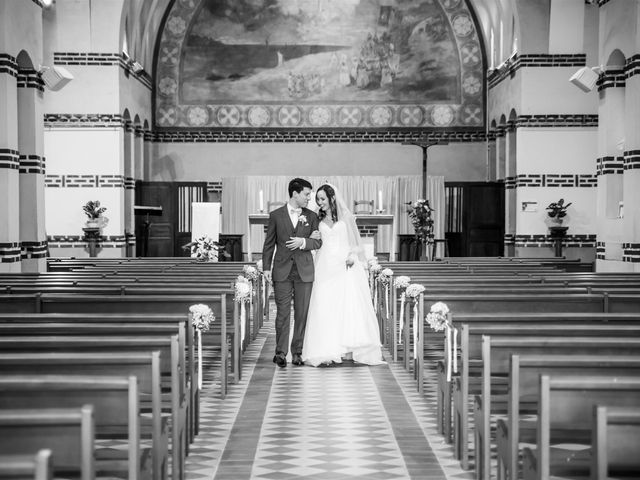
point(341, 319)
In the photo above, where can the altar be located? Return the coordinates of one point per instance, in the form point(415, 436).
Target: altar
point(367, 224)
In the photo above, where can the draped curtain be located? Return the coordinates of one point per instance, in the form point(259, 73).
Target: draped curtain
point(240, 197)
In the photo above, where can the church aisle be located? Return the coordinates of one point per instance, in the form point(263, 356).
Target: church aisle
point(318, 423)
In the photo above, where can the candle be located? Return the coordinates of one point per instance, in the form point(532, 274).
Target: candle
point(261, 200)
point(380, 200)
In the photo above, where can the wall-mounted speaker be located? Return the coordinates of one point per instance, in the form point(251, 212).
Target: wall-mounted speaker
point(585, 79)
point(55, 77)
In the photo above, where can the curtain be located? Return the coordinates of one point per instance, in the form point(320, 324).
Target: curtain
point(240, 197)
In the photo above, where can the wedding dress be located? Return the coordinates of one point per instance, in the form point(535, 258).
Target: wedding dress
point(341, 319)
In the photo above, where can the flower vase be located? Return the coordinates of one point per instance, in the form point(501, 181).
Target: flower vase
point(424, 251)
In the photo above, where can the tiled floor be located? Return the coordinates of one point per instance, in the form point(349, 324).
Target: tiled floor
point(331, 423)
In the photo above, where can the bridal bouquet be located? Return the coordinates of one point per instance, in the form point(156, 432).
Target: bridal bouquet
point(202, 316)
point(437, 317)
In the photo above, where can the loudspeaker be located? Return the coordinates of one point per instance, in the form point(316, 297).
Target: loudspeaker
point(55, 77)
point(585, 79)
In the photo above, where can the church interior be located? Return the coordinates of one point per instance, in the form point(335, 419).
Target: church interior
point(144, 146)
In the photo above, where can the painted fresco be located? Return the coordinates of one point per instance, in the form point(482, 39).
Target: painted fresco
point(319, 63)
point(240, 51)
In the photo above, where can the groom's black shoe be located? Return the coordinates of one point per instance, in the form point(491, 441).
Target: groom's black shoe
point(280, 359)
point(297, 359)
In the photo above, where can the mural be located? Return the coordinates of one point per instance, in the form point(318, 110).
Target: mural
point(319, 63)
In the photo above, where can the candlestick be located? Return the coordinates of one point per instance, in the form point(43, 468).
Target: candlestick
point(261, 200)
point(380, 200)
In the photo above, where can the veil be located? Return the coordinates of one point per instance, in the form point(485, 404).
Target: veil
point(355, 240)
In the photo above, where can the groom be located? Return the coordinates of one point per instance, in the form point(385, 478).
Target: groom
point(291, 270)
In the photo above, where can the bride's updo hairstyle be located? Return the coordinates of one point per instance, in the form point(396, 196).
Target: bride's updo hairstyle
point(331, 196)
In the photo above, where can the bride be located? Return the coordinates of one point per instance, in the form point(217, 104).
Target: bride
point(341, 321)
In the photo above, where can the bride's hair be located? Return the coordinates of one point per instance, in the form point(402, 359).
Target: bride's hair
point(331, 196)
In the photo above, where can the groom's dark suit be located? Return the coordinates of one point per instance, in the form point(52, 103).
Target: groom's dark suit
point(292, 272)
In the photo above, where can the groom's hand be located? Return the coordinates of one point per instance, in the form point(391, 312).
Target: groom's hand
point(315, 235)
point(295, 243)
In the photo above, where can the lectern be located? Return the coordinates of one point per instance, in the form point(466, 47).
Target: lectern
point(146, 210)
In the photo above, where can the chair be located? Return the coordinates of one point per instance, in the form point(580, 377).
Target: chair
point(363, 207)
point(434, 247)
point(271, 206)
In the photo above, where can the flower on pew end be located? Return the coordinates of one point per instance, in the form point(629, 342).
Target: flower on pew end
point(414, 290)
point(202, 316)
point(259, 266)
point(250, 272)
point(437, 318)
point(384, 276)
point(402, 281)
point(375, 268)
point(243, 290)
point(372, 261)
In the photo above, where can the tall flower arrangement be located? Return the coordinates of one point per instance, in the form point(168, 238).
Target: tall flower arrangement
point(201, 318)
point(420, 215)
point(204, 249)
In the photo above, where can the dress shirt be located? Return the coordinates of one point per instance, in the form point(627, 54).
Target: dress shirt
point(294, 215)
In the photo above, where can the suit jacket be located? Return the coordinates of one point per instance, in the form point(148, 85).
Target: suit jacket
point(279, 231)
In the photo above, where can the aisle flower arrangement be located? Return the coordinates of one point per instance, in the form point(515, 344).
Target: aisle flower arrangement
point(438, 319)
point(401, 283)
point(243, 293)
point(201, 318)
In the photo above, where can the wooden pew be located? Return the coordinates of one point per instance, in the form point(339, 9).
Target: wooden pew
point(565, 415)
point(522, 341)
point(615, 442)
point(145, 366)
point(523, 380)
point(170, 353)
point(115, 403)
point(26, 466)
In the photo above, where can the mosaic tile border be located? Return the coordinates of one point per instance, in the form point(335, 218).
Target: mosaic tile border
point(85, 181)
point(171, 113)
point(581, 180)
point(9, 159)
point(632, 65)
point(10, 252)
point(32, 164)
point(631, 252)
point(8, 64)
point(546, 241)
point(600, 250)
point(99, 120)
point(610, 165)
point(532, 60)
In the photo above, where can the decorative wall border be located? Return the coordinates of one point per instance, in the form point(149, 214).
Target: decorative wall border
point(100, 59)
point(8, 64)
point(533, 60)
point(129, 183)
point(83, 120)
point(557, 120)
point(610, 165)
point(632, 159)
point(169, 112)
point(631, 252)
point(600, 251)
point(545, 240)
point(29, 78)
point(76, 241)
point(9, 159)
point(10, 252)
point(32, 164)
point(612, 79)
point(214, 187)
point(632, 65)
point(581, 180)
point(34, 250)
point(314, 136)
point(84, 181)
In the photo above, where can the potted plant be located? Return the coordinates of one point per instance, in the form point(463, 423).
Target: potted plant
point(558, 210)
point(94, 212)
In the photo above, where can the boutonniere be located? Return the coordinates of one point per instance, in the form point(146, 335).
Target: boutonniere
point(303, 219)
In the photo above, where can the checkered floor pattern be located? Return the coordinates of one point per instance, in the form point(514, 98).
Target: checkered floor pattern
point(318, 423)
